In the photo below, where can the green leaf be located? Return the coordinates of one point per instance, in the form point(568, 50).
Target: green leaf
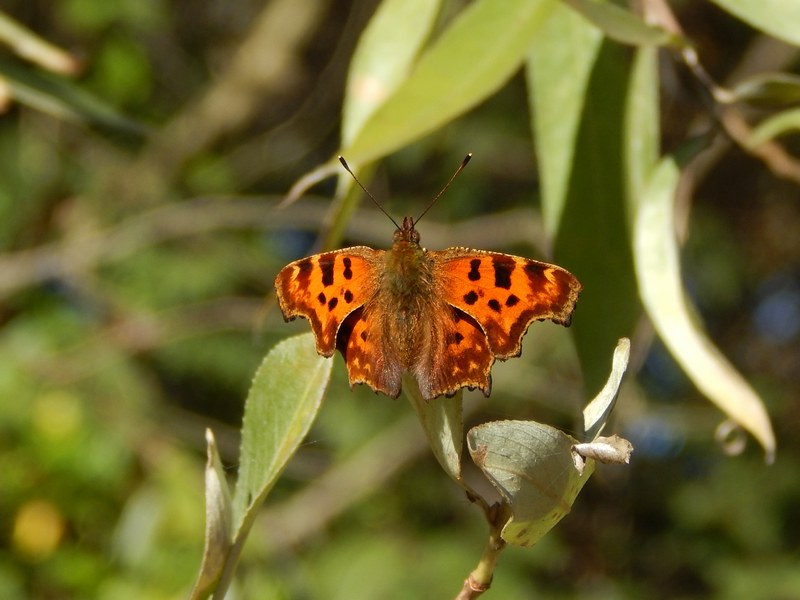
point(777, 125)
point(557, 102)
point(218, 524)
point(768, 90)
point(598, 410)
point(591, 232)
point(441, 419)
point(383, 58)
point(283, 402)
point(531, 465)
point(779, 18)
point(284, 399)
point(619, 24)
point(25, 43)
point(475, 56)
point(65, 100)
point(658, 272)
point(642, 134)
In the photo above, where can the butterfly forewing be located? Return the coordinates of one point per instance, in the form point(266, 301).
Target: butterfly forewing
point(505, 293)
point(325, 288)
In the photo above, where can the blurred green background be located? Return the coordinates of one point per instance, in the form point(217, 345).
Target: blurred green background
point(138, 244)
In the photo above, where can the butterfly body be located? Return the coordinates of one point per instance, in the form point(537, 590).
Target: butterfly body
point(443, 316)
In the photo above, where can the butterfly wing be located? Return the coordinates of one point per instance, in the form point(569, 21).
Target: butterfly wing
point(458, 355)
point(370, 357)
point(505, 293)
point(326, 288)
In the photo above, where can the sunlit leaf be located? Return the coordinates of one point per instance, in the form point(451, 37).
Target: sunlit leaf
point(383, 58)
point(531, 465)
point(642, 133)
point(658, 271)
point(784, 122)
point(597, 411)
point(591, 232)
point(284, 398)
point(557, 102)
point(441, 420)
point(218, 523)
point(619, 24)
point(26, 44)
point(768, 89)
point(474, 57)
point(778, 18)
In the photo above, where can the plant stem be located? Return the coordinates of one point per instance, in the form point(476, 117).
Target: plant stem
point(480, 579)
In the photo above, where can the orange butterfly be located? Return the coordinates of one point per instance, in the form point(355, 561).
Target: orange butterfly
point(442, 316)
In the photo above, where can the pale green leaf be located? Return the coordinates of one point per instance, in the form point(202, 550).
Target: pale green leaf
point(383, 58)
point(441, 419)
point(218, 523)
point(284, 399)
point(532, 467)
point(26, 44)
point(768, 90)
point(63, 99)
point(483, 47)
point(784, 122)
point(283, 402)
point(658, 272)
point(591, 231)
point(642, 134)
point(598, 410)
point(558, 70)
point(619, 24)
point(779, 18)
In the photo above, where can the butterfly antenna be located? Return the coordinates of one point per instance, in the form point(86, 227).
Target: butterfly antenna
point(366, 191)
point(444, 189)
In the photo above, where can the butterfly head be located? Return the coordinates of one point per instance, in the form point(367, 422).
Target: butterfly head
point(407, 233)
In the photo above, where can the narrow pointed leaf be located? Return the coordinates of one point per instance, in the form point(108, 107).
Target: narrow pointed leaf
point(557, 102)
point(63, 99)
point(784, 122)
point(769, 90)
point(218, 524)
point(483, 47)
point(441, 419)
point(383, 58)
point(658, 272)
point(619, 24)
point(778, 18)
point(531, 465)
point(592, 236)
point(642, 134)
point(598, 410)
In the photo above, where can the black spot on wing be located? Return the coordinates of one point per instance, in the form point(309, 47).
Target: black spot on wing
point(471, 298)
point(536, 269)
point(474, 266)
point(502, 272)
point(512, 300)
point(348, 272)
point(494, 305)
point(326, 266)
point(322, 299)
point(332, 303)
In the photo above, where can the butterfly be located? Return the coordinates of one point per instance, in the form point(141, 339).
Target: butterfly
point(443, 316)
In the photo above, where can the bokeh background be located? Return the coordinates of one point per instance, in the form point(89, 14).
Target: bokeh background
point(139, 238)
